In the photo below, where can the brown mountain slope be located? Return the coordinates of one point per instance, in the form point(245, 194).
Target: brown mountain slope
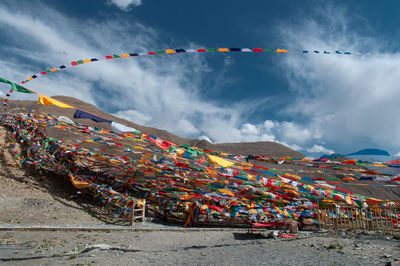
point(255, 148)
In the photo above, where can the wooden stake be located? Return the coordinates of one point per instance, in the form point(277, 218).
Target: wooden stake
point(144, 211)
point(132, 213)
point(362, 218)
point(319, 217)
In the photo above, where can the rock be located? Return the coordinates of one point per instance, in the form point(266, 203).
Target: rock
point(387, 256)
point(293, 228)
point(370, 233)
point(273, 234)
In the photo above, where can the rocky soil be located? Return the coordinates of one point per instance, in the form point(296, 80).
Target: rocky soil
point(194, 248)
point(40, 198)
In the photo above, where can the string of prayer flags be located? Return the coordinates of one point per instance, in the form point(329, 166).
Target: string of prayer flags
point(178, 51)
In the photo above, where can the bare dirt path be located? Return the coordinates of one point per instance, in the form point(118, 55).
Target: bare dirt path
point(193, 248)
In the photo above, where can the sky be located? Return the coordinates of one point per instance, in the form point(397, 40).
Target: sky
point(316, 104)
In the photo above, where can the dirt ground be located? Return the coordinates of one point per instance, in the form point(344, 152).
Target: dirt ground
point(28, 197)
point(194, 248)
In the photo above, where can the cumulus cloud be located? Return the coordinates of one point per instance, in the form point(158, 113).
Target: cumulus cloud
point(186, 128)
point(319, 149)
point(204, 137)
point(347, 100)
point(134, 116)
point(290, 134)
point(159, 91)
point(125, 5)
point(249, 129)
point(341, 100)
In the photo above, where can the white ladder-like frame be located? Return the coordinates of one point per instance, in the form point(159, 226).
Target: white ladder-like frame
point(138, 212)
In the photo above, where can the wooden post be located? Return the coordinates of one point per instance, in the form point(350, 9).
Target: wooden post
point(132, 221)
point(337, 217)
point(372, 215)
point(383, 225)
point(355, 218)
point(379, 211)
point(397, 219)
point(319, 217)
point(144, 211)
point(358, 222)
point(362, 218)
point(391, 223)
point(387, 214)
point(352, 218)
point(373, 222)
point(376, 219)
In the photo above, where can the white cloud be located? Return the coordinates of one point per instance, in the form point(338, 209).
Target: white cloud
point(126, 5)
point(397, 155)
point(319, 149)
point(347, 100)
point(268, 125)
point(157, 91)
point(295, 133)
point(164, 92)
point(267, 137)
point(204, 137)
point(134, 116)
point(249, 129)
point(292, 146)
point(186, 128)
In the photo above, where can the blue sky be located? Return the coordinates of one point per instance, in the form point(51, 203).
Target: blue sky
point(313, 103)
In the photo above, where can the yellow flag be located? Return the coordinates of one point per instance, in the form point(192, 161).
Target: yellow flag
point(227, 192)
point(281, 51)
point(220, 161)
point(348, 199)
point(77, 183)
point(50, 101)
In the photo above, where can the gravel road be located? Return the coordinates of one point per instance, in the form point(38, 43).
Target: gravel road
point(193, 248)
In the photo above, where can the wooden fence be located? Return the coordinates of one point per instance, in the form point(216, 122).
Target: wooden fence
point(386, 219)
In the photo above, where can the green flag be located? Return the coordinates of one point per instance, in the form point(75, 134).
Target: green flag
point(15, 86)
